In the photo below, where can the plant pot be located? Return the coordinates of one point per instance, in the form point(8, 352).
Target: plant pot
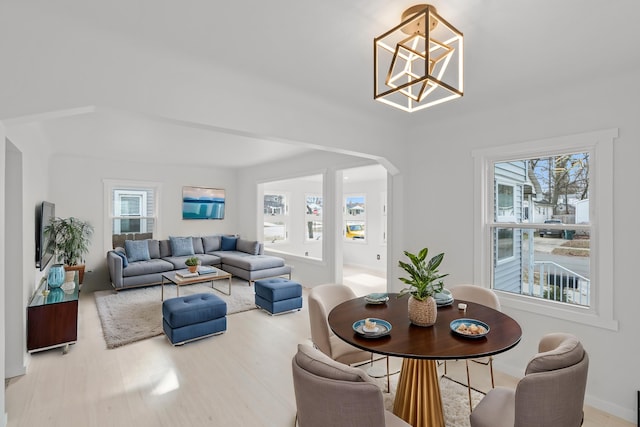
point(69, 276)
point(423, 313)
point(79, 268)
point(192, 268)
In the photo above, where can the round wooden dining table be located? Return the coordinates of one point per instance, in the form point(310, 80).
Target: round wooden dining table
point(418, 399)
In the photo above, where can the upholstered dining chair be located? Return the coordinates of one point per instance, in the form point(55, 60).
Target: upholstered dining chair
point(322, 299)
point(479, 295)
point(330, 393)
point(551, 393)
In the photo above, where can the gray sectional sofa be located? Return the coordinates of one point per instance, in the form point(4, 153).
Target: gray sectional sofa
point(142, 262)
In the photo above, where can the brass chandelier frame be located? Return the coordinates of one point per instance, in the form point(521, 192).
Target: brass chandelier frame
point(418, 65)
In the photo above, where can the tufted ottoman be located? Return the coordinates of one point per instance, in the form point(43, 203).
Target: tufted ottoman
point(277, 295)
point(193, 316)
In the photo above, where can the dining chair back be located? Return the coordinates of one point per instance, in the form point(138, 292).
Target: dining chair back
point(550, 394)
point(322, 299)
point(479, 295)
point(330, 393)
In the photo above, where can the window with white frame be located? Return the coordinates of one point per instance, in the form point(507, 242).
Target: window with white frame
point(275, 217)
point(313, 217)
point(543, 232)
point(355, 218)
point(131, 208)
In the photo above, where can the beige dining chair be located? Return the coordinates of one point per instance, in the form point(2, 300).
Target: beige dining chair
point(330, 393)
point(551, 393)
point(478, 295)
point(322, 299)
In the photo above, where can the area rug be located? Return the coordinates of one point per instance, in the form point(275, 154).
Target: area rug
point(455, 400)
point(132, 315)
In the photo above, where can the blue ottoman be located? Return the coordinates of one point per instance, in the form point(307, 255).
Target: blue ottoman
point(277, 295)
point(193, 316)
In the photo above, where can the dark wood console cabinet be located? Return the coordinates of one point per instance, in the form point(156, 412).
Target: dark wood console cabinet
point(52, 320)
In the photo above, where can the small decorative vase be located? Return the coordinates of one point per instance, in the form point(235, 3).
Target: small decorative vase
point(423, 313)
point(192, 268)
point(55, 279)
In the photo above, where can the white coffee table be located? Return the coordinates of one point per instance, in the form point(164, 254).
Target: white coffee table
point(217, 274)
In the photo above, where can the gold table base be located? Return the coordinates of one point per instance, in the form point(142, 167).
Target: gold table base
point(418, 399)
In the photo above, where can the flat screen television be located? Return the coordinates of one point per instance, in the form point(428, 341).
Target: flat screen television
point(44, 214)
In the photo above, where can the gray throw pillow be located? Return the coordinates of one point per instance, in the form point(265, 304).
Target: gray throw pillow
point(197, 245)
point(137, 250)
point(181, 246)
point(154, 248)
point(211, 243)
point(248, 246)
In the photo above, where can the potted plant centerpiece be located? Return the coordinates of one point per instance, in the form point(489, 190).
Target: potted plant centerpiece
point(192, 264)
point(424, 282)
point(69, 239)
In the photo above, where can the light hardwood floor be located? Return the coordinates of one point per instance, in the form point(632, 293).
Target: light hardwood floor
point(239, 378)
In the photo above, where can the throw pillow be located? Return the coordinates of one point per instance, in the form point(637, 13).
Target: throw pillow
point(125, 261)
point(249, 246)
point(197, 245)
point(228, 243)
point(181, 246)
point(154, 249)
point(137, 250)
point(211, 243)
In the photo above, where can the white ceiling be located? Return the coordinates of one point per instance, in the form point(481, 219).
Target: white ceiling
point(513, 50)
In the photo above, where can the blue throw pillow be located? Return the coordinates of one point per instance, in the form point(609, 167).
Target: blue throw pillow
point(137, 250)
point(125, 261)
point(181, 246)
point(228, 243)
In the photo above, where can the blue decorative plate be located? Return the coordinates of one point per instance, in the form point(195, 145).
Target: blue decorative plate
point(443, 298)
point(382, 328)
point(469, 328)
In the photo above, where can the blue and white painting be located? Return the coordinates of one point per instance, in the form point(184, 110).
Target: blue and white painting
point(202, 203)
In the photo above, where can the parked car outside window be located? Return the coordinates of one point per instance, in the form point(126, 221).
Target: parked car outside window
point(355, 231)
point(551, 233)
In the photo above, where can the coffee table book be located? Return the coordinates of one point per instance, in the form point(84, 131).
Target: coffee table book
point(186, 274)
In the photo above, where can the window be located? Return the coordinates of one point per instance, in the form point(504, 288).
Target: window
point(276, 217)
point(544, 226)
point(131, 209)
point(355, 218)
point(313, 217)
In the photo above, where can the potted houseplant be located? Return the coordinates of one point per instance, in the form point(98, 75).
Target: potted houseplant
point(424, 282)
point(192, 264)
point(69, 239)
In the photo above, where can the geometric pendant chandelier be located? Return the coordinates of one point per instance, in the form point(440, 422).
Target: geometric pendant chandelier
point(418, 65)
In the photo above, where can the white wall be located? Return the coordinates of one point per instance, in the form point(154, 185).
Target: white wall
point(29, 170)
point(3, 284)
point(77, 190)
point(444, 220)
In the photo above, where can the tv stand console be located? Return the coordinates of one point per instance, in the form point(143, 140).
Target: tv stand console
point(52, 318)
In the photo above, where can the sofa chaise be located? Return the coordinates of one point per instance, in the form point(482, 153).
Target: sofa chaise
point(142, 262)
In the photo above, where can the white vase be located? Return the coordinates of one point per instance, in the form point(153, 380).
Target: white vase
point(69, 276)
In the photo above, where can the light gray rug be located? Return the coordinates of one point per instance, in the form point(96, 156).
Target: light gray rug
point(135, 314)
point(455, 400)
